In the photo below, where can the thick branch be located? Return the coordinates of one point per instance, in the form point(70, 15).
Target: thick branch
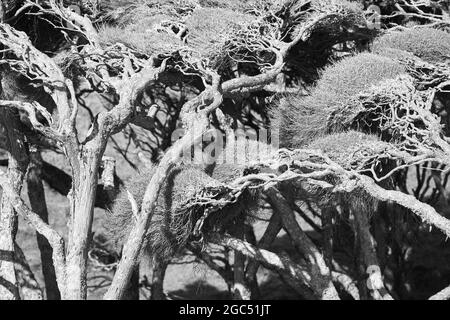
point(424, 211)
point(197, 125)
point(55, 240)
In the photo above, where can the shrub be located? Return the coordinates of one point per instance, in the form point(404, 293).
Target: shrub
point(148, 27)
point(171, 225)
point(141, 33)
point(346, 25)
point(348, 14)
point(352, 75)
point(235, 5)
point(149, 43)
point(429, 44)
point(123, 12)
point(177, 210)
point(299, 119)
point(209, 31)
point(351, 149)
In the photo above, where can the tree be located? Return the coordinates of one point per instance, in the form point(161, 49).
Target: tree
point(353, 130)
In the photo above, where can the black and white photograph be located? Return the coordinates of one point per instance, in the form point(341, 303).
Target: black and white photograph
point(224, 156)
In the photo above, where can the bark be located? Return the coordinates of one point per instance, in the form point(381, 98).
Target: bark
point(36, 196)
point(423, 210)
point(82, 200)
point(85, 165)
point(61, 182)
point(18, 162)
point(109, 167)
point(8, 285)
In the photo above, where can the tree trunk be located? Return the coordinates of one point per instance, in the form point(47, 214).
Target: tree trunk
point(8, 282)
point(17, 165)
point(82, 198)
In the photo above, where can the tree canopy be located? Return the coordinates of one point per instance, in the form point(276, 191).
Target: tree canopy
point(211, 129)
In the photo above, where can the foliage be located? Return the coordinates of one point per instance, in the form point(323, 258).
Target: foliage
point(135, 37)
point(362, 168)
point(429, 44)
point(171, 226)
point(300, 119)
point(352, 150)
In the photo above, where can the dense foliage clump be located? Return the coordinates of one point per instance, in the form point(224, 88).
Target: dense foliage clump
point(299, 119)
point(429, 44)
point(171, 225)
